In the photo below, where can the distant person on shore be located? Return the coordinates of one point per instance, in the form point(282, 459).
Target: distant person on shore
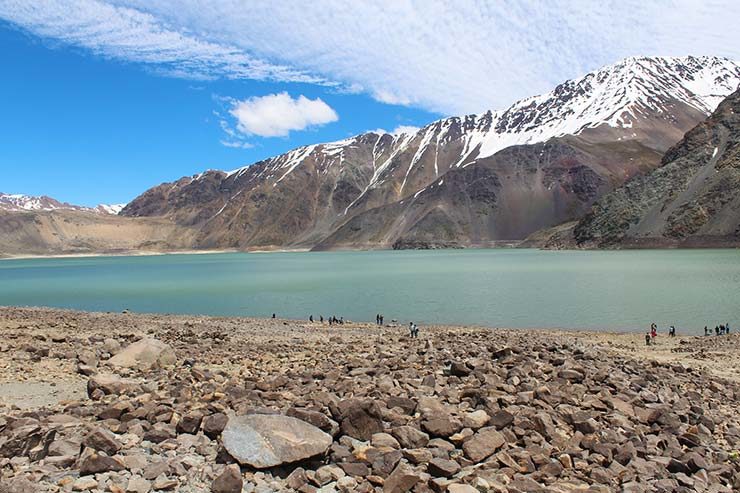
point(648, 336)
point(321, 319)
point(377, 319)
point(341, 320)
point(654, 332)
point(721, 329)
point(672, 331)
point(706, 331)
point(381, 319)
point(727, 329)
point(310, 318)
point(330, 321)
point(716, 330)
point(273, 315)
point(411, 329)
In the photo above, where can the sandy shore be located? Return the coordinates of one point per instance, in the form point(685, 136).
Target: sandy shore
point(457, 408)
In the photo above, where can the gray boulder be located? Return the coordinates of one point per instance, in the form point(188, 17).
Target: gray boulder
point(262, 440)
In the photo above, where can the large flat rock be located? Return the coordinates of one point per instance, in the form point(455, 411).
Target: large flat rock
point(145, 353)
point(262, 441)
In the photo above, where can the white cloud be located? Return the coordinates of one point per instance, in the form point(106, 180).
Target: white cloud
point(447, 56)
point(276, 115)
point(237, 144)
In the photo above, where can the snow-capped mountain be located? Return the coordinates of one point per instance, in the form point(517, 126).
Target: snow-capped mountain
point(591, 134)
point(20, 202)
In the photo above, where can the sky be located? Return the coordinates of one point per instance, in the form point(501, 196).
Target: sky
point(102, 99)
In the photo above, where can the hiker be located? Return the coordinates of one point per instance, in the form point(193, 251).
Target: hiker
point(647, 338)
point(310, 318)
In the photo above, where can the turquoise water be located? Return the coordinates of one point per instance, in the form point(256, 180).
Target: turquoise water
point(500, 288)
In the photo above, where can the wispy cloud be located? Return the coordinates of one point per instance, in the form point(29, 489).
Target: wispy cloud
point(276, 115)
point(446, 56)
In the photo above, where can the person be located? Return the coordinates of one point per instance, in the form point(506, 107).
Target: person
point(411, 329)
point(727, 329)
point(654, 332)
point(341, 320)
point(310, 318)
point(672, 332)
point(273, 315)
point(647, 338)
point(706, 331)
point(381, 319)
point(321, 319)
point(721, 329)
point(716, 330)
point(416, 331)
point(330, 321)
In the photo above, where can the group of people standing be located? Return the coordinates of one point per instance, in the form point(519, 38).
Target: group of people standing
point(722, 329)
point(379, 319)
point(719, 330)
point(333, 320)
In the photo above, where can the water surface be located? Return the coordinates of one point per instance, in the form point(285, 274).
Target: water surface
point(623, 290)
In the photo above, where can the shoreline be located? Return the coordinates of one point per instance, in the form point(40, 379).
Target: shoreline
point(154, 253)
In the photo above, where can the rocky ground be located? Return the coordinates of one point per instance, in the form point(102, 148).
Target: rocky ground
point(140, 403)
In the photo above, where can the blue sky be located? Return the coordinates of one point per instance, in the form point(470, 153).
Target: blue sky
point(102, 99)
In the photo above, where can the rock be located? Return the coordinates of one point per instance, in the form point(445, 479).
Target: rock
point(571, 375)
point(95, 463)
point(483, 444)
point(476, 419)
point(442, 426)
point(297, 478)
point(410, 437)
point(163, 483)
point(102, 440)
point(442, 467)
point(84, 484)
point(501, 419)
point(137, 484)
point(459, 369)
point(381, 440)
point(145, 354)
point(214, 424)
point(461, 488)
point(229, 481)
point(262, 441)
point(190, 422)
point(360, 418)
point(110, 384)
point(401, 480)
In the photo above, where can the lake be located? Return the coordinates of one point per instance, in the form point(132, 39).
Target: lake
point(624, 290)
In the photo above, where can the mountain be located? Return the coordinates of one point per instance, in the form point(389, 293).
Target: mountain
point(472, 180)
point(20, 202)
point(693, 199)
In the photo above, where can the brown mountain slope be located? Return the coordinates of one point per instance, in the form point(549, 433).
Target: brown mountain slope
point(693, 199)
point(62, 232)
point(500, 199)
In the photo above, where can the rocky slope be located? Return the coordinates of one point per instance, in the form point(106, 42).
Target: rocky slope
point(191, 404)
point(67, 231)
point(691, 200)
point(471, 180)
